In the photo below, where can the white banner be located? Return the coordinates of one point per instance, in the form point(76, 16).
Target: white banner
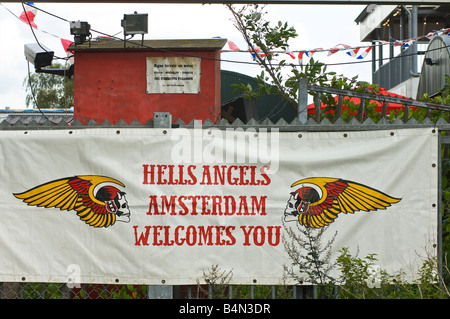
point(162, 206)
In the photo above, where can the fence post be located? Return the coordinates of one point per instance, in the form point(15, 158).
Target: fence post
point(361, 110)
point(317, 106)
point(303, 100)
point(161, 120)
point(339, 106)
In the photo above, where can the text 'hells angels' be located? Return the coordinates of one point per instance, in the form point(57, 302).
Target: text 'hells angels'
point(234, 205)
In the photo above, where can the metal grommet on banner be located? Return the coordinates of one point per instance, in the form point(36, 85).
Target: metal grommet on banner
point(163, 281)
point(299, 135)
point(117, 132)
point(392, 133)
point(117, 280)
point(345, 134)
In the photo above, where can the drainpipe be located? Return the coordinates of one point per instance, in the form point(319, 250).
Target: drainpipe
point(412, 34)
point(414, 22)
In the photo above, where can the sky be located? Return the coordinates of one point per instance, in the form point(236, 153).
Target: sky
point(318, 26)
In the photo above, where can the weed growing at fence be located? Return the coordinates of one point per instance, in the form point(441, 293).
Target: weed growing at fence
point(358, 280)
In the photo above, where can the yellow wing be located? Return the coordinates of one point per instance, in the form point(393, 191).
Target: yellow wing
point(73, 193)
point(341, 196)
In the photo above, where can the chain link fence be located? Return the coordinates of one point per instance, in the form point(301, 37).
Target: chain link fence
point(14, 290)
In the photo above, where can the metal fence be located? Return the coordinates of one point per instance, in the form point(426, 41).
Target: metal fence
point(317, 122)
point(14, 290)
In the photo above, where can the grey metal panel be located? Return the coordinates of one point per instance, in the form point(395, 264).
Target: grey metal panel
point(432, 76)
point(396, 71)
point(281, 125)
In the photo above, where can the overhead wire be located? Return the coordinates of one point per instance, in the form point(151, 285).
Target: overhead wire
point(226, 60)
point(241, 62)
point(29, 73)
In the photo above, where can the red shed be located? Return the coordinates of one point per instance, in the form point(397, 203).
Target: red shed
point(131, 81)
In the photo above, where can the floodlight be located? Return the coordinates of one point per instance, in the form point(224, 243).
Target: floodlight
point(136, 23)
point(80, 30)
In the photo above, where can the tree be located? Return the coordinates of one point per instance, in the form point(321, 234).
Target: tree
point(48, 91)
point(268, 45)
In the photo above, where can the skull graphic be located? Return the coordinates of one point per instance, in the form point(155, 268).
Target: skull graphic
point(115, 203)
point(123, 210)
point(299, 202)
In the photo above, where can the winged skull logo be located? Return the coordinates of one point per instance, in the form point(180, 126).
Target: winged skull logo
point(96, 199)
point(318, 201)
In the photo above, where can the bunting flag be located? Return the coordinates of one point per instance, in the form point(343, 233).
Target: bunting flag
point(358, 52)
point(254, 51)
point(289, 52)
point(28, 14)
point(397, 43)
point(409, 42)
point(444, 31)
point(432, 34)
point(233, 46)
point(353, 52)
point(364, 53)
point(337, 48)
point(316, 50)
point(66, 43)
point(300, 55)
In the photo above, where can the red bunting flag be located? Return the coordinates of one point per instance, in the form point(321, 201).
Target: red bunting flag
point(66, 43)
point(233, 46)
point(289, 52)
point(28, 14)
point(300, 55)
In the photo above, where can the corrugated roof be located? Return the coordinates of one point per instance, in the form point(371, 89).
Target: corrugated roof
point(432, 76)
point(33, 116)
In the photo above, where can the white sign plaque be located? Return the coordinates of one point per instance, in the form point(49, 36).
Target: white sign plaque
point(173, 75)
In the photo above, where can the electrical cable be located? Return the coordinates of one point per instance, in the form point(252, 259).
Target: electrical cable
point(34, 35)
point(29, 73)
point(33, 95)
point(242, 62)
point(225, 60)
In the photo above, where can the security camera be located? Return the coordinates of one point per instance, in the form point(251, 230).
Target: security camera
point(39, 55)
point(80, 30)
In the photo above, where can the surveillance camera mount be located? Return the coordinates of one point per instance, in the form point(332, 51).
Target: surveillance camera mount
point(41, 56)
point(81, 31)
